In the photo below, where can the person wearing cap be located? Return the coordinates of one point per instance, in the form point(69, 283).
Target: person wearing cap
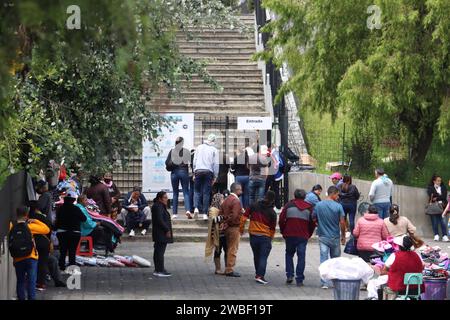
point(135, 204)
point(380, 193)
point(68, 229)
point(177, 162)
point(206, 171)
point(336, 179)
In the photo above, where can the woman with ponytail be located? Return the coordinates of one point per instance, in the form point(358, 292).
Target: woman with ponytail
point(398, 225)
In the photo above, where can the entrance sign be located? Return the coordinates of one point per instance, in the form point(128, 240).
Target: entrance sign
point(254, 123)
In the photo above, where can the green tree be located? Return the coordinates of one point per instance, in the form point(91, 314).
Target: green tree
point(397, 77)
point(82, 93)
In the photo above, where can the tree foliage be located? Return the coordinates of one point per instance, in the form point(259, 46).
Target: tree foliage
point(396, 78)
point(81, 94)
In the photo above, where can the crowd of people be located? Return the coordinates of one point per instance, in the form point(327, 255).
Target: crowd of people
point(201, 173)
point(65, 212)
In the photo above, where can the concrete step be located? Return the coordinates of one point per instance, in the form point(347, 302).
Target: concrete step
point(241, 44)
point(217, 51)
point(194, 237)
point(226, 91)
point(212, 96)
point(213, 111)
point(236, 82)
point(233, 68)
point(218, 37)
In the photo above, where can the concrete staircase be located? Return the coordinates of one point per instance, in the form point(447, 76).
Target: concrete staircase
point(228, 53)
point(185, 230)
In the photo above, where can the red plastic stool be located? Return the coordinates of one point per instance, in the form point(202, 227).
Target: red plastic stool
point(90, 247)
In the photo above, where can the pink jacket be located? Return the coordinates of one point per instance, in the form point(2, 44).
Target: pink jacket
point(369, 230)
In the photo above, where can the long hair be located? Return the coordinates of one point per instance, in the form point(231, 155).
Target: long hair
point(347, 181)
point(433, 178)
point(394, 214)
point(217, 200)
point(159, 196)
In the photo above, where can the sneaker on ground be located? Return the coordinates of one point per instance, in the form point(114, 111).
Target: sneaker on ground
point(289, 280)
point(205, 217)
point(300, 284)
point(188, 215)
point(143, 232)
point(175, 216)
point(445, 238)
point(261, 280)
point(436, 237)
point(196, 212)
point(40, 287)
point(132, 233)
point(163, 274)
point(324, 286)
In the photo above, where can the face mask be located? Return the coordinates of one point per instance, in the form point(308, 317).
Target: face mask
point(107, 180)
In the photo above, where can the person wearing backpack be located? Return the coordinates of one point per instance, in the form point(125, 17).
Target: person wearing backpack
point(23, 250)
point(68, 224)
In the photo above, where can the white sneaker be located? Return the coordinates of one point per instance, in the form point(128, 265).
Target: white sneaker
point(143, 232)
point(132, 233)
point(196, 212)
point(445, 238)
point(205, 217)
point(436, 237)
point(174, 216)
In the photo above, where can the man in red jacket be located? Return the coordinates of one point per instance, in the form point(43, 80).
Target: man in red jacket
point(296, 226)
point(231, 210)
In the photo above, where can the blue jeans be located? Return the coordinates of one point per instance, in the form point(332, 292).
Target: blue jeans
point(295, 245)
point(350, 210)
point(261, 247)
point(191, 194)
point(244, 182)
point(436, 220)
point(329, 248)
point(177, 176)
point(256, 188)
point(26, 274)
point(383, 209)
point(202, 194)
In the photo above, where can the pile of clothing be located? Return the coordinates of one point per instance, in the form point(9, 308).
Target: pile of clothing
point(383, 249)
point(115, 261)
point(436, 262)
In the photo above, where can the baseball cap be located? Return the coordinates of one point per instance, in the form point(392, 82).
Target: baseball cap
point(336, 175)
point(212, 137)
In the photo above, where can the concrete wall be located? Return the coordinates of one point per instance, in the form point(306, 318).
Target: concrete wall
point(411, 200)
point(7, 273)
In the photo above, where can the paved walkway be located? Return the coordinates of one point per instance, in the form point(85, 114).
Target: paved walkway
point(193, 278)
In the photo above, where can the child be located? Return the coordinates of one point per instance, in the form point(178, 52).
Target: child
point(23, 250)
point(216, 237)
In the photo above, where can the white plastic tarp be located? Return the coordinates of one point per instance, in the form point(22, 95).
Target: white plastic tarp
point(346, 269)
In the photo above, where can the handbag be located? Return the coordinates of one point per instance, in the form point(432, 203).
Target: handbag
point(434, 208)
point(351, 247)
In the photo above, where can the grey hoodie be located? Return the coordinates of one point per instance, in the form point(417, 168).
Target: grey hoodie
point(381, 190)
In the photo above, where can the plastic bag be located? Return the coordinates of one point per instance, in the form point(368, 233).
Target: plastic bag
point(346, 269)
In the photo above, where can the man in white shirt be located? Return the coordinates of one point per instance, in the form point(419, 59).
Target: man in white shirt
point(206, 170)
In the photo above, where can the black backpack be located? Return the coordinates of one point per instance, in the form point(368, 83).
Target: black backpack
point(20, 241)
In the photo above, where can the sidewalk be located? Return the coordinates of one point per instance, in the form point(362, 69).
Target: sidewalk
point(194, 279)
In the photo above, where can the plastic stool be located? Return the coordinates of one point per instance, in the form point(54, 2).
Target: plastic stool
point(90, 251)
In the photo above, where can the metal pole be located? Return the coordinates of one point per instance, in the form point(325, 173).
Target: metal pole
point(283, 121)
point(343, 144)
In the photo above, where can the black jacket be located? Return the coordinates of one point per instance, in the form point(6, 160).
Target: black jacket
point(45, 203)
point(183, 158)
point(161, 223)
point(69, 217)
point(443, 197)
point(349, 196)
point(142, 202)
point(241, 169)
